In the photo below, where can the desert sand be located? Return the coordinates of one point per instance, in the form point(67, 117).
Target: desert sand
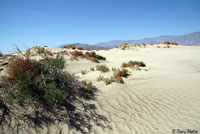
point(163, 96)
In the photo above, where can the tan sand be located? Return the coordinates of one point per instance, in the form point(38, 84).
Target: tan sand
point(150, 102)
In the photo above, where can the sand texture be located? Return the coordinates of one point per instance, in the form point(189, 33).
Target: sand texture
point(164, 95)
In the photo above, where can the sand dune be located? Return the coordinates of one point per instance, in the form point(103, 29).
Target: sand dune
point(156, 101)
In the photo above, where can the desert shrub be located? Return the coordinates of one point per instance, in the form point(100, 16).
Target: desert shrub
point(133, 63)
point(94, 60)
point(90, 54)
point(83, 72)
point(166, 42)
point(69, 46)
point(102, 68)
point(174, 43)
point(80, 48)
point(168, 46)
point(120, 73)
point(20, 67)
point(107, 81)
point(50, 92)
point(119, 80)
point(91, 69)
point(1, 55)
point(99, 57)
point(40, 50)
point(76, 53)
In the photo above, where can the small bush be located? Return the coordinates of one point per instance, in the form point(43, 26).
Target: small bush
point(69, 46)
point(133, 63)
point(166, 43)
point(99, 57)
point(119, 80)
point(91, 69)
point(83, 72)
point(76, 53)
point(102, 68)
point(107, 81)
point(90, 54)
point(20, 67)
point(120, 73)
point(40, 50)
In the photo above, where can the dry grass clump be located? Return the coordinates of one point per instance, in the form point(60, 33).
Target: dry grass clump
point(76, 53)
point(69, 46)
point(92, 69)
point(88, 86)
point(174, 43)
point(120, 73)
point(41, 50)
point(102, 68)
point(166, 43)
point(133, 64)
point(170, 43)
point(107, 81)
point(90, 54)
point(20, 67)
point(83, 72)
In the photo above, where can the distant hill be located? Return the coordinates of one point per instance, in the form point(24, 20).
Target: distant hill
point(89, 47)
point(187, 39)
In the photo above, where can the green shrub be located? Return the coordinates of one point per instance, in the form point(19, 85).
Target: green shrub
point(133, 63)
point(102, 68)
point(99, 57)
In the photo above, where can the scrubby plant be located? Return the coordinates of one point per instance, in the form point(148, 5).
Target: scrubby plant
point(50, 93)
point(40, 50)
point(107, 81)
point(83, 72)
point(72, 46)
point(92, 69)
point(99, 57)
point(166, 43)
point(133, 63)
point(120, 73)
point(76, 53)
point(90, 54)
point(102, 68)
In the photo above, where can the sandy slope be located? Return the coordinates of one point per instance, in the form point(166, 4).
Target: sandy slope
point(150, 102)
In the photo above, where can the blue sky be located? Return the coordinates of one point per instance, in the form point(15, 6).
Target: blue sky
point(54, 22)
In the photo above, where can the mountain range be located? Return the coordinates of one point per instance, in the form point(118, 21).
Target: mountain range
point(187, 39)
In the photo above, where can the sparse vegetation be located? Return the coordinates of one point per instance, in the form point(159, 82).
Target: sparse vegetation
point(102, 68)
point(76, 53)
point(92, 69)
point(71, 46)
point(83, 72)
point(120, 73)
point(50, 93)
point(133, 64)
point(99, 57)
point(107, 81)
